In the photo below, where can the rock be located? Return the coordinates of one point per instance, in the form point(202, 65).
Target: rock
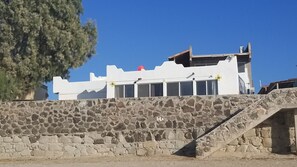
point(191, 102)
point(187, 109)
point(76, 139)
point(150, 144)
point(242, 148)
point(169, 103)
point(141, 152)
point(16, 139)
point(266, 133)
point(250, 133)
point(55, 147)
point(198, 106)
point(267, 142)
point(120, 127)
point(256, 141)
point(230, 148)
point(19, 147)
point(233, 143)
point(65, 140)
point(7, 139)
point(252, 149)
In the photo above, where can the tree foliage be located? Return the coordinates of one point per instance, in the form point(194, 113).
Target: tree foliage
point(43, 38)
point(8, 87)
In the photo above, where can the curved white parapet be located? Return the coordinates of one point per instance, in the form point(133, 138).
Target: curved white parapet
point(95, 88)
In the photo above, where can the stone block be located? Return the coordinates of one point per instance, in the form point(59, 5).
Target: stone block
point(25, 153)
point(166, 152)
point(91, 151)
point(267, 142)
point(43, 139)
point(256, 141)
point(180, 144)
point(53, 139)
point(20, 147)
point(88, 140)
point(107, 139)
point(170, 145)
point(131, 150)
point(38, 153)
point(77, 139)
point(250, 133)
point(158, 152)
point(43, 147)
point(16, 139)
point(170, 135)
point(141, 152)
point(25, 140)
point(233, 143)
point(121, 138)
point(65, 140)
point(120, 151)
point(242, 148)
point(55, 147)
point(150, 151)
point(252, 149)
point(2, 150)
point(266, 132)
point(150, 144)
point(230, 148)
point(7, 139)
point(180, 135)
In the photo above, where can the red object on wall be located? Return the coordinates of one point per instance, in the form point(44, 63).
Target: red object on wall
point(139, 68)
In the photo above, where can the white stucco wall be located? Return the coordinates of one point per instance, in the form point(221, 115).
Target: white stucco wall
point(95, 88)
point(171, 72)
point(226, 72)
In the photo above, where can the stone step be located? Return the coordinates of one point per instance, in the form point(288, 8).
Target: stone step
point(245, 120)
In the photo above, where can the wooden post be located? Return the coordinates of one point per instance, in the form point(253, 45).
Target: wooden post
point(295, 121)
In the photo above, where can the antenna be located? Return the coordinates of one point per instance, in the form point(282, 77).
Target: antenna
point(260, 83)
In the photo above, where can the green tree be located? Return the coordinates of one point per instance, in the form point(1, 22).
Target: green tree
point(43, 38)
point(8, 87)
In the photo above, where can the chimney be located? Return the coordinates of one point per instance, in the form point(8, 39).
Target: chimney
point(241, 48)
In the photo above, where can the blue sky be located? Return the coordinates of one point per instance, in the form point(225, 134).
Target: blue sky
point(146, 32)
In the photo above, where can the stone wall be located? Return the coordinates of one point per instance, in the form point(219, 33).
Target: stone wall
point(274, 135)
point(109, 127)
point(144, 126)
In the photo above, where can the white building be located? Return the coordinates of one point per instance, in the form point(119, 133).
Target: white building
point(183, 75)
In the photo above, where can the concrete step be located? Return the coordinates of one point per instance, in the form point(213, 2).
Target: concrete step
point(245, 120)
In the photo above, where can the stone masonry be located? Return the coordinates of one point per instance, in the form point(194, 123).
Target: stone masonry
point(243, 122)
point(143, 126)
point(112, 127)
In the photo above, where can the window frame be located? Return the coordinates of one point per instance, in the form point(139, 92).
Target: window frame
point(215, 91)
point(150, 89)
point(123, 86)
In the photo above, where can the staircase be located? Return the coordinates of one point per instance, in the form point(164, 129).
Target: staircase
point(245, 120)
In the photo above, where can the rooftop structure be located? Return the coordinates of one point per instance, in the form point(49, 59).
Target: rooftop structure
point(182, 75)
point(290, 83)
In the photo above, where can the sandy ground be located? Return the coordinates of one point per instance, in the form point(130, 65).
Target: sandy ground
point(171, 161)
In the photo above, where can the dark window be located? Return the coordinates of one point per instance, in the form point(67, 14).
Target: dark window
point(212, 87)
point(173, 89)
point(241, 67)
point(201, 88)
point(119, 89)
point(129, 90)
point(209, 87)
point(143, 90)
point(186, 88)
point(124, 91)
point(157, 89)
